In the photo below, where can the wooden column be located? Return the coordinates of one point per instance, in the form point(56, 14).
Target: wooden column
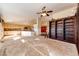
point(38, 26)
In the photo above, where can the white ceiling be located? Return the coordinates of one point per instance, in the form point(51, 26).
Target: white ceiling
point(26, 12)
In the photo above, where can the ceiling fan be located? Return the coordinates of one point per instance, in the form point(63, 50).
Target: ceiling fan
point(44, 12)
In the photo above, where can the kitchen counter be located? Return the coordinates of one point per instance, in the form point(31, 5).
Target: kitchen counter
point(37, 46)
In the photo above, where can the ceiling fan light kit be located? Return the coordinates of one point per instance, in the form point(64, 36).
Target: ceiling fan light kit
point(44, 12)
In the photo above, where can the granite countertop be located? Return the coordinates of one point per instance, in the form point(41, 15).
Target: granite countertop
point(37, 46)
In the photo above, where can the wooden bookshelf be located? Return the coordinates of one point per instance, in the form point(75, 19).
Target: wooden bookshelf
point(60, 30)
point(52, 29)
point(70, 30)
point(63, 29)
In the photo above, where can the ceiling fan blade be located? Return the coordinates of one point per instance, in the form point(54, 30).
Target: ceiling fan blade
point(43, 11)
point(49, 11)
point(38, 12)
point(43, 7)
point(47, 14)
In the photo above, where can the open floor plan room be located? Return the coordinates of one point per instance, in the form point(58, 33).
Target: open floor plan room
point(39, 29)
